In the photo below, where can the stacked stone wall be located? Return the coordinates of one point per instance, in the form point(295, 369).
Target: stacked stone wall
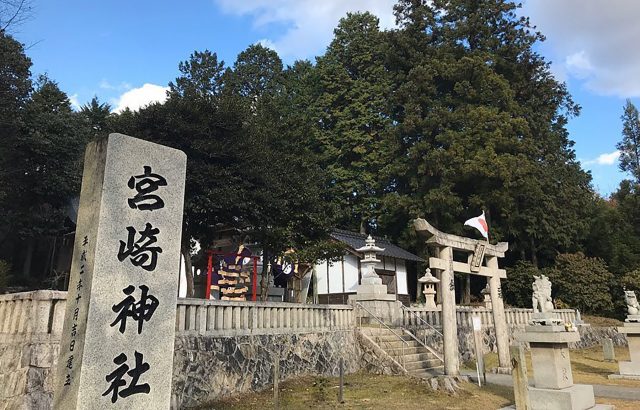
point(206, 368)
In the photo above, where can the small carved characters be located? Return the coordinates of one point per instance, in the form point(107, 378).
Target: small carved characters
point(541, 298)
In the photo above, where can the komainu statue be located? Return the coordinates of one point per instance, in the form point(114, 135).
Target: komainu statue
point(632, 302)
point(541, 298)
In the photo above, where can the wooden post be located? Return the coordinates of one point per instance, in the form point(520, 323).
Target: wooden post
point(477, 339)
point(341, 390)
point(520, 379)
point(276, 376)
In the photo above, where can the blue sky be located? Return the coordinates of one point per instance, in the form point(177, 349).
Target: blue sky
point(126, 52)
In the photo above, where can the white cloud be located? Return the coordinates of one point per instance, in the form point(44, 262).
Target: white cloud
point(137, 98)
point(308, 24)
point(605, 159)
point(106, 85)
point(75, 104)
point(593, 41)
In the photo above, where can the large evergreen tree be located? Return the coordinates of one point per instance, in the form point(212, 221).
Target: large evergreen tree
point(352, 117)
point(629, 147)
point(481, 125)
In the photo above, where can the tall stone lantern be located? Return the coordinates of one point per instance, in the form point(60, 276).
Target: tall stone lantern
point(372, 294)
point(429, 281)
point(368, 263)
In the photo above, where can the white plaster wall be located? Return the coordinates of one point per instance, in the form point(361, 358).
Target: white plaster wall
point(401, 277)
point(320, 272)
point(350, 273)
point(335, 277)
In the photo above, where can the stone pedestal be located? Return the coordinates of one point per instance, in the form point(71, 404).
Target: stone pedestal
point(630, 369)
point(553, 380)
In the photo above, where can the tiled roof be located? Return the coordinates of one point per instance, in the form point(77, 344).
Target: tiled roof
point(356, 240)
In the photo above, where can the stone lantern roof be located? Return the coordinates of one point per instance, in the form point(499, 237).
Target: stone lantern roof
point(428, 277)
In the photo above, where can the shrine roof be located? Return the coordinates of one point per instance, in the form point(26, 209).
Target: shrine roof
point(356, 240)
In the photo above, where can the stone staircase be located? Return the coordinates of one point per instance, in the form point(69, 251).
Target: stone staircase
point(416, 359)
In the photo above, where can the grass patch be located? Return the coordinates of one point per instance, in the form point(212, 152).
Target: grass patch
point(587, 366)
point(367, 391)
point(598, 321)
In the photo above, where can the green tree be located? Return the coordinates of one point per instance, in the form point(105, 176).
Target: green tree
point(288, 205)
point(15, 86)
point(481, 125)
point(41, 165)
point(629, 147)
point(517, 287)
point(96, 115)
point(352, 117)
point(582, 282)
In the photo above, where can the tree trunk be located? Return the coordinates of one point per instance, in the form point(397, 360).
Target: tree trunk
point(188, 267)
point(534, 255)
point(264, 281)
point(28, 257)
point(466, 295)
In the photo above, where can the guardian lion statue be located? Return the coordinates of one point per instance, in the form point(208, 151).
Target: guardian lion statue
point(632, 302)
point(541, 298)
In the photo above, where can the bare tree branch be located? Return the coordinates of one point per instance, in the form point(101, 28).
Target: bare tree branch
point(14, 13)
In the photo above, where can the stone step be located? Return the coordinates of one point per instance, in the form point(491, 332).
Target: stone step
point(427, 373)
point(407, 351)
point(422, 364)
point(390, 337)
point(414, 357)
point(371, 330)
point(397, 344)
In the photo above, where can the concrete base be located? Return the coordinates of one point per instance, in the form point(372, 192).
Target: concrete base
point(629, 368)
point(576, 397)
point(623, 376)
point(632, 318)
point(502, 370)
point(596, 407)
point(389, 310)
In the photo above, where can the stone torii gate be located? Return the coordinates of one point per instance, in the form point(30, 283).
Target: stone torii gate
point(482, 259)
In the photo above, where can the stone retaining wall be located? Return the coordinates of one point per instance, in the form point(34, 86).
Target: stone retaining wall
point(30, 326)
point(589, 336)
point(206, 368)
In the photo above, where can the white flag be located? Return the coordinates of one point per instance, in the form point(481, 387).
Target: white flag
point(480, 223)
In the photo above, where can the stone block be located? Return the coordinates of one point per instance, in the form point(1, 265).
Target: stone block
point(632, 319)
point(551, 365)
point(634, 347)
point(629, 368)
point(36, 379)
point(9, 358)
point(608, 351)
point(14, 383)
point(548, 334)
point(576, 397)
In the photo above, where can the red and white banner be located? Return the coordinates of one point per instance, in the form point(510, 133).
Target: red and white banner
point(480, 223)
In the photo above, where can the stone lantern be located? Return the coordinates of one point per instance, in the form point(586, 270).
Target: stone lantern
point(486, 293)
point(429, 291)
point(368, 263)
point(371, 286)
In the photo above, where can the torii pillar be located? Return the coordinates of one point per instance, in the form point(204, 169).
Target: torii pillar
point(483, 261)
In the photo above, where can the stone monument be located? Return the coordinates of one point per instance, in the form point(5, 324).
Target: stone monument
point(429, 282)
point(630, 369)
point(549, 342)
point(116, 349)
